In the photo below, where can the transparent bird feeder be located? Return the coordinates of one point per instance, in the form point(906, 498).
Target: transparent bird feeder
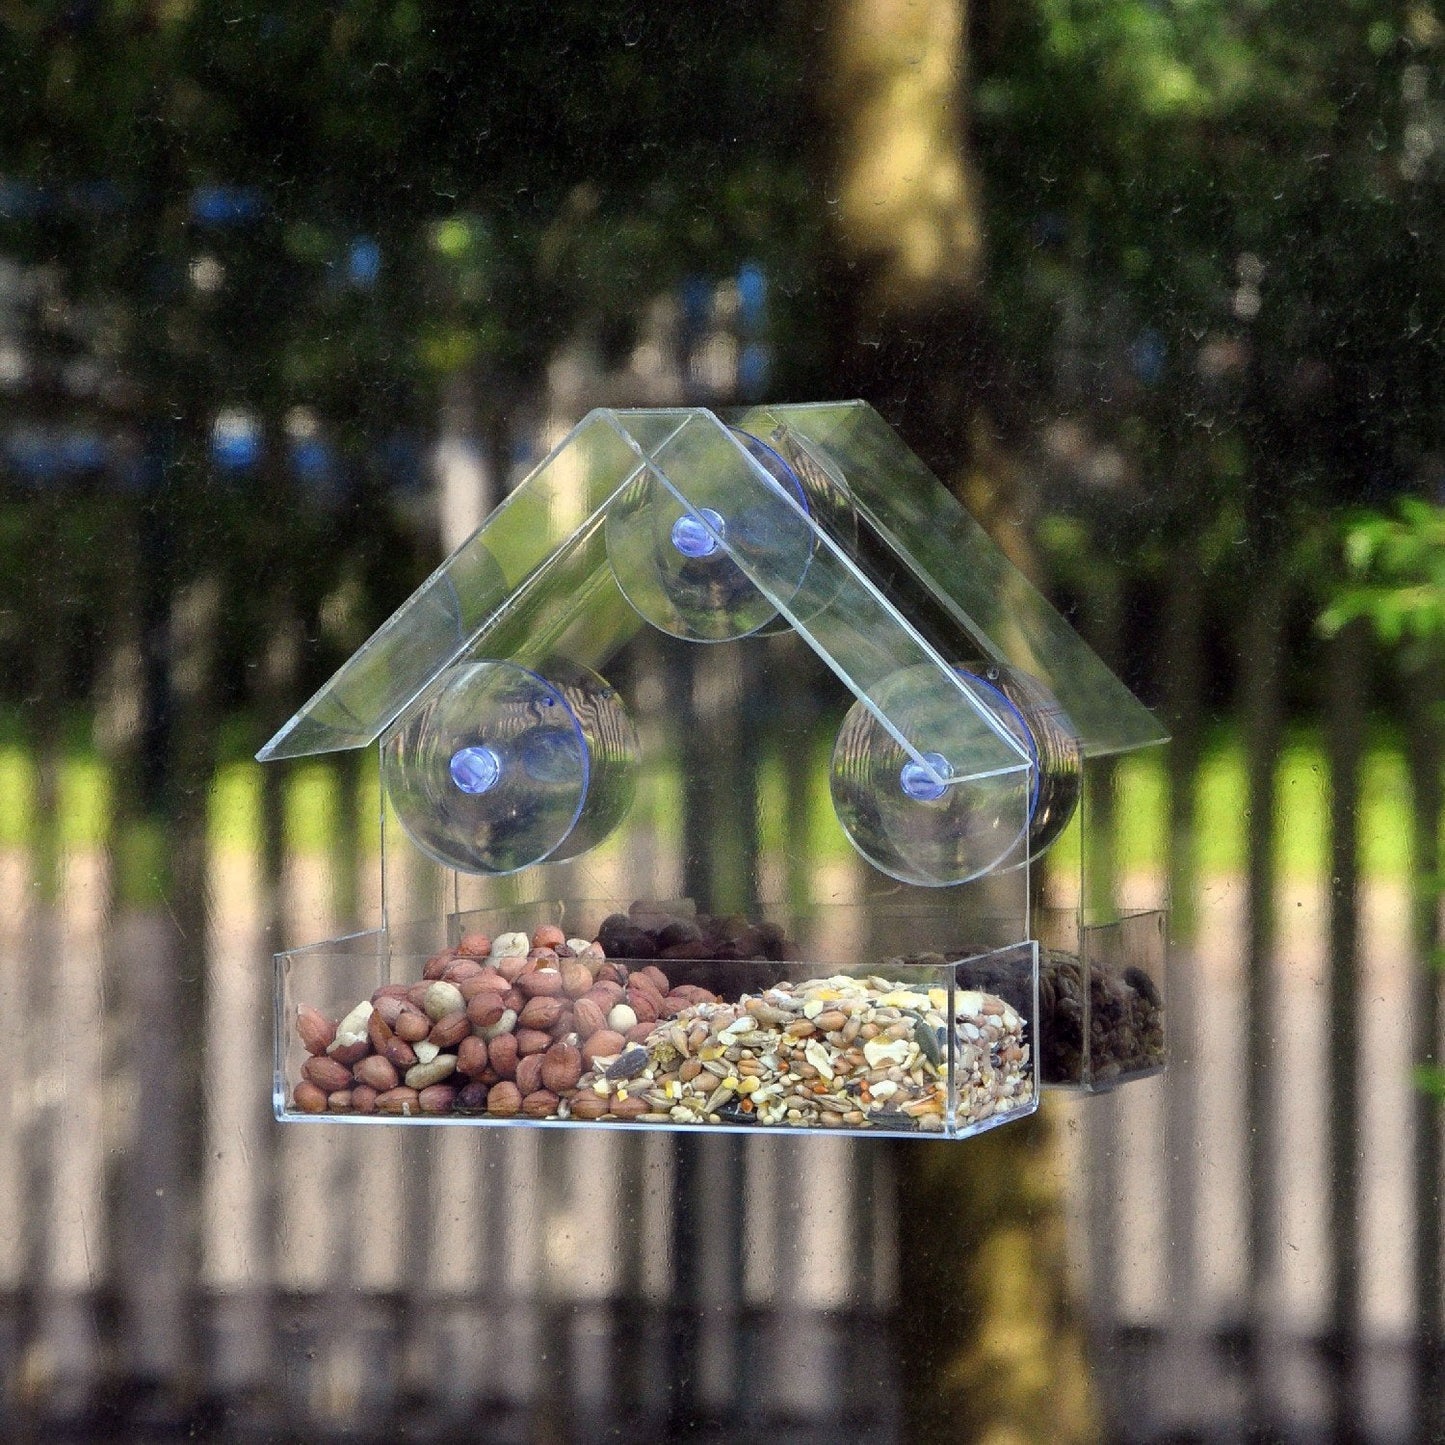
point(717, 769)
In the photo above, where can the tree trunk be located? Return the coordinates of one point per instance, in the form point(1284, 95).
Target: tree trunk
point(905, 283)
point(990, 1344)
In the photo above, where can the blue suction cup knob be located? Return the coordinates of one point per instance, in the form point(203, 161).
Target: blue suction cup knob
point(475, 769)
point(696, 534)
point(922, 783)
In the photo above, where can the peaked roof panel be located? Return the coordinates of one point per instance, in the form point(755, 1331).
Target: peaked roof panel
point(928, 533)
point(663, 465)
point(443, 617)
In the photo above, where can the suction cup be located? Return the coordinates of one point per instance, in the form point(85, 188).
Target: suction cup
point(502, 767)
point(947, 819)
point(1053, 745)
point(673, 565)
point(826, 497)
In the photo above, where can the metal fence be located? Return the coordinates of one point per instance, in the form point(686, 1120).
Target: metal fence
point(1255, 1234)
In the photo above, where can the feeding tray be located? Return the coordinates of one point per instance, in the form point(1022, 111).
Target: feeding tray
point(585, 920)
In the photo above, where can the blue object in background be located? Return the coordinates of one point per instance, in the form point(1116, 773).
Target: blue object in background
point(696, 303)
point(752, 296)
point(363, 262)
point(311, 460)
point(1147, 355)
point(235, 442)
point(42, 458)
point(225, 205)
point(19, 200)
point(754, 366)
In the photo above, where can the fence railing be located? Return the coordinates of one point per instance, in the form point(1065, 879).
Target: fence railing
point(1255, 1234)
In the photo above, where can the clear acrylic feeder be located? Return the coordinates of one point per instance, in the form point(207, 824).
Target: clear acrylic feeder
point(591, 911)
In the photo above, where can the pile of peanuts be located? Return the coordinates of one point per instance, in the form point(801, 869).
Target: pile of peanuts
point(501, 1026)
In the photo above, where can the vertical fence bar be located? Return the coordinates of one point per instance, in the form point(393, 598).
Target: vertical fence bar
point(1300, 1311)
point(70, 1077)
point(60, 1363)
point(450, 1180)
point(1100, 1156)
point(385, 1312)
point(520, 1320)
point(707, 1250)
point(1104, 626)
point(236, 1254)
point(317, 1199)
point(1260, 725)
point(1183, 683)
point(1384, 1145)
point(813, 1281)
point(594, 1238)
point(1345, 729)
point(16, 1184)
point(171, 985)
point(1426, 888)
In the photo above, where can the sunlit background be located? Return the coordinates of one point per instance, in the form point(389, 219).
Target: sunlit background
point(290, 297)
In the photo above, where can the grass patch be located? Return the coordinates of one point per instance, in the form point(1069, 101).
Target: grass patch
point(1302, 804)
point(368, 805)
point(829, 842)
point(1142, 809)
point(318, 797)
point(1302, 811)
point(1385, 804)
point(234, 810)
point(311, 811)
point(142, 861)
point(1220, 791)
point(17, 797)
point(83, 801)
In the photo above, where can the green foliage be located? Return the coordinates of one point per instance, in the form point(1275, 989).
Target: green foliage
point(1217, 259)
point(1396, 565)
point(520, 169)
point(518, 173)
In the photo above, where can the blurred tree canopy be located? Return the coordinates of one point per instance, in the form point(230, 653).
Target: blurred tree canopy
point(268, 237)
point(525, 161)
point(1214, 227)
point(1184, 259)
point(1215, 296)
